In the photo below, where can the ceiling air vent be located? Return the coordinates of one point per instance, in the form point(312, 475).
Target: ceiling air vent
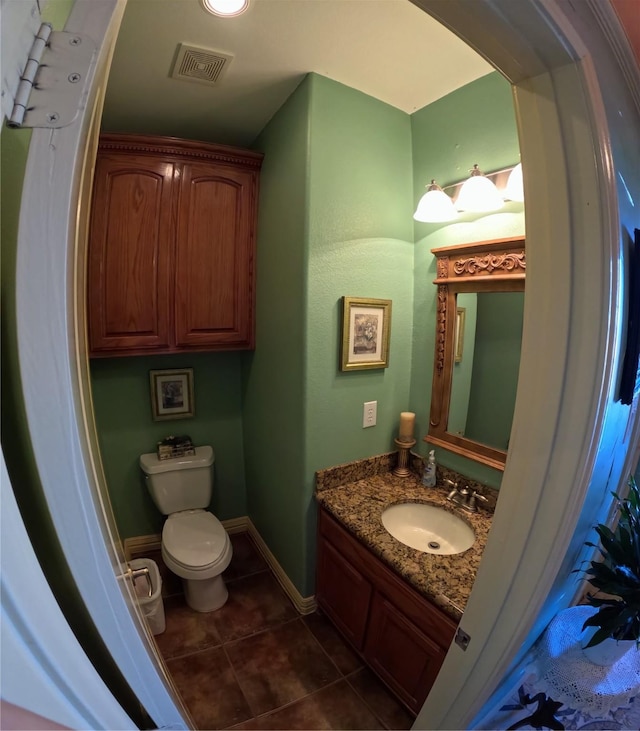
point(200, 64)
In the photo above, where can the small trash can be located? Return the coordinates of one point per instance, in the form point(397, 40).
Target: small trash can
point(149, 595)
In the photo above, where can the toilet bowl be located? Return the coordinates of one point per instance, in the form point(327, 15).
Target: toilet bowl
point(195, 545)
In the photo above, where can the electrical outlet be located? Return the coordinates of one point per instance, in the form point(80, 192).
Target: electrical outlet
point(370, 414)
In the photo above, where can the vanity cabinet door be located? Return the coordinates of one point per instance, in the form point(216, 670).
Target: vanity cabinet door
point(343, 593)
point(400, 653)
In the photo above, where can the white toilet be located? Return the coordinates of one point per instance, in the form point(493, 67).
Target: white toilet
point(195, 546)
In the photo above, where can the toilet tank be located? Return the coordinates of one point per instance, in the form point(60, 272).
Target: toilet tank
point(183, 483)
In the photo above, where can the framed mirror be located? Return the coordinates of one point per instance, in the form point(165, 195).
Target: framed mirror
point(480, 306)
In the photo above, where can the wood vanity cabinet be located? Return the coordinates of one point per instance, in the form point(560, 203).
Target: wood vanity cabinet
point(342, 591)
point(400, 634)
point(171, 246)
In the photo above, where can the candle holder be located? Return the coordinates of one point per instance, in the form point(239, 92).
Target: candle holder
point(404, 446)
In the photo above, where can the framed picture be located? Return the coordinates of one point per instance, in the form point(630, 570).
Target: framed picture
point(459, 341)
point(366, 324)
point(172, 394)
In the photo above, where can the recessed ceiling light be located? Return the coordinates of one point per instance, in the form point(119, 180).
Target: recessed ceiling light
point(225, 8)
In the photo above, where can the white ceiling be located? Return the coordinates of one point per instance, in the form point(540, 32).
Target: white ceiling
point(389, 49)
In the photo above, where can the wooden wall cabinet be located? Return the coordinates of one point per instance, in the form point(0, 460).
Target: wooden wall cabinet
point(171, 262)
point(400, 634)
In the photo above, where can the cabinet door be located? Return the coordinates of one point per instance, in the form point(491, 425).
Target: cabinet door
point(343, 593)
point(401, 654)
point(130, 249)
point(214, 270)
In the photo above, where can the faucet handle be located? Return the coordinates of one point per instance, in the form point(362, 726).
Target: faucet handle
point(454, 488)
point(475, 495)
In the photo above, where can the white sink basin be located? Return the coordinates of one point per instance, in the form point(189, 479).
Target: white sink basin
point(428, 528)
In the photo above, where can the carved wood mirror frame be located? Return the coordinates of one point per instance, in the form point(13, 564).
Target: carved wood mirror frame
point(486, 266)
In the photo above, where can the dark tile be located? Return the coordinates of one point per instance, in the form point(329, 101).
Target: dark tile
point(335, 707)
point(279, 666)
point(246, 558)
point(333, 644)
point(380, 700)
point(209, 689)
point(187, 631)
point(255, 603)
point(171, 584)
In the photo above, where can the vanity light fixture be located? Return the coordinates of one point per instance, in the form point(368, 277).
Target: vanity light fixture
point(515, 189)
point(435, 206)
point(440, 205)
point(478, 194)
point(225, 8)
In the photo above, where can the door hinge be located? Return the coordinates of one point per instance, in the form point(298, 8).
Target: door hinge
point(51, 91)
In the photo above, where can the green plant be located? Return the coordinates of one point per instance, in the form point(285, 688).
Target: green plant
point(616, 573)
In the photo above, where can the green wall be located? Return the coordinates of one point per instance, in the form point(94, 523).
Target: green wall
point(474, 124)
point(485, 381)
point(496, 364)
point(126, 429)
point(273, 375)
point(15, 442)
point(463, 370)
point(335, 219)
point(360, 244)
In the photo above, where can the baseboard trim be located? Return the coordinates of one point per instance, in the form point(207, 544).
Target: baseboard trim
point(304, 605)
point(140, 544)
point(236, 525)
point(153, 542)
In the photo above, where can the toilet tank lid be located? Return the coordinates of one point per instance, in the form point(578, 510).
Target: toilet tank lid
point(151, 465)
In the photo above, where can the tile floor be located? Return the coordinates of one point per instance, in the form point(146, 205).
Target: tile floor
point(257, 664)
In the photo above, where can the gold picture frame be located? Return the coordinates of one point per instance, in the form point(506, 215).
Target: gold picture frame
point(366, 327)
point(172, 394)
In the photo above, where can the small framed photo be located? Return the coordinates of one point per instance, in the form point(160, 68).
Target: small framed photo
point(172, 394)
point(366, 325)
point(459, 341)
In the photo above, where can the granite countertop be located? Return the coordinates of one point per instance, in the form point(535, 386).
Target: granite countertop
point(358, 504)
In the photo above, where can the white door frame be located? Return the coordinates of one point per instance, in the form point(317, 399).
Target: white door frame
point(571, 200)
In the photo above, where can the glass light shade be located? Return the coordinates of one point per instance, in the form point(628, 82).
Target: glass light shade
point(435, 206)
point(478, 194)
point(225, 8)
point(515, 190)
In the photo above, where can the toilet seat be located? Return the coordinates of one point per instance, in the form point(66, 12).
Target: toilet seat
point(196, 541)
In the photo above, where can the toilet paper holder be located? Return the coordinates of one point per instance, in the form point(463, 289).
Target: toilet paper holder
point(135, 574)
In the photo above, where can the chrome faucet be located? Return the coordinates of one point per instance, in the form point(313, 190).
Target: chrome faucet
point(465, 497)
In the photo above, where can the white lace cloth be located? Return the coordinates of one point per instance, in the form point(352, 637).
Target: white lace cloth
point(572, 679)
